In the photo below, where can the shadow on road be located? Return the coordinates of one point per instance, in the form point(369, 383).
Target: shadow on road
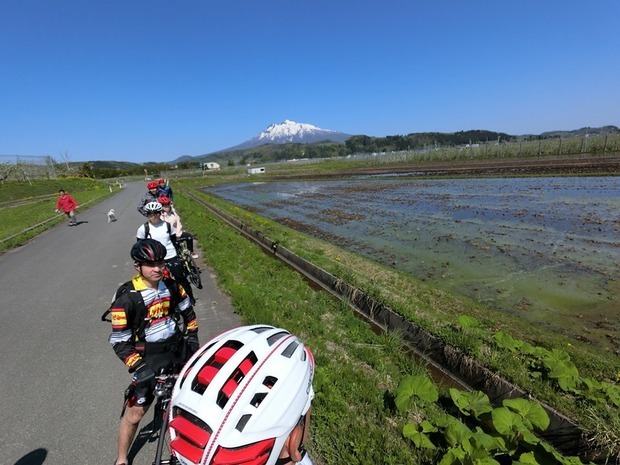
point(147, 434)
point(36, 457)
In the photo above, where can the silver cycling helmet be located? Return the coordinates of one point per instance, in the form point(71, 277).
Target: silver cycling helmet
point(153, 207)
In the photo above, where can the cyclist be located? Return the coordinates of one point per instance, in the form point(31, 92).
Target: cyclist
point(244, 397)
point(151, 196)
point(146, 335)
point(164, 189)
point(170, 215)
point(158, 229)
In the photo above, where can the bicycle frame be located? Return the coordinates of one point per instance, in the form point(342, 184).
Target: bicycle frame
point(184, 254)
point(163, 393)
point(190, 268)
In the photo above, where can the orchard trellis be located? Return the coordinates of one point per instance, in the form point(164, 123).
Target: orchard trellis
point(29, 167)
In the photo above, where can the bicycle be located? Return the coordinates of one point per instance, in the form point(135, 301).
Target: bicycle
point(164, 383)
point(190, 268)
point(163, 392)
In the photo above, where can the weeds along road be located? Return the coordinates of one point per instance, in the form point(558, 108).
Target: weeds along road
point(61, 384)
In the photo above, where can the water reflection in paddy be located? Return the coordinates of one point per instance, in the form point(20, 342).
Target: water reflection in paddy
point(545, 248)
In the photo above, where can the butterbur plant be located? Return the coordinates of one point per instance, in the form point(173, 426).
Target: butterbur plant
point(471, 403)
point(413, 388)
point(560, 368)
point(484, 434)
point(531, 413)
point(466, 321)
point(556, 366)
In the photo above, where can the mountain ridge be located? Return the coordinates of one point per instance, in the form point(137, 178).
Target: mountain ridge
point(285, 133)
point(291, 132)
point(291, 135)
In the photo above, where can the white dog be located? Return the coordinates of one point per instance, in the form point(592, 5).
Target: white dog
point(111, 216)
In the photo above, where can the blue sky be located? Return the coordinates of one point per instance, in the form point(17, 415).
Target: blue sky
point(152, 80)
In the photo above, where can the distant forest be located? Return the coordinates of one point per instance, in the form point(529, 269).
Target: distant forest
point(363, 144)
point(416, 141)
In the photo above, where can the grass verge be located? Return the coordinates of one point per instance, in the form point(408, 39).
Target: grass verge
point(28, 207)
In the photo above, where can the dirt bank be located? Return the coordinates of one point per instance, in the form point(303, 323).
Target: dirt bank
point(578, 166)
point(585, 164)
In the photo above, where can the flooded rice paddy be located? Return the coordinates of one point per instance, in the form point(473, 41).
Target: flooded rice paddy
point(546, 249)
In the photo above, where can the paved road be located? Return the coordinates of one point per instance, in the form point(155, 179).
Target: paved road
point(60, 382)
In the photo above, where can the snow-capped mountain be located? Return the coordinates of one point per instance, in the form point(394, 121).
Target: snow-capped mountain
point(292, 132)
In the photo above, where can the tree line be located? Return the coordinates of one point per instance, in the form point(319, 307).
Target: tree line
point(417, 141)
point(366, 144)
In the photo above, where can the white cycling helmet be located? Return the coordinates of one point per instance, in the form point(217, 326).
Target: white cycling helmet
point(240, 396)
point(153, 207)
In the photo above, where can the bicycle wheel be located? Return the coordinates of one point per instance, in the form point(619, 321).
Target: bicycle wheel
point(163, 454)
point(194, 273)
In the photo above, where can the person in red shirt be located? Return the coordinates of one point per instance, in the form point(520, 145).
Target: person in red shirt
point(67, 204)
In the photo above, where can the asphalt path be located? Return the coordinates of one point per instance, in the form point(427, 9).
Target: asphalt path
point(61, 383)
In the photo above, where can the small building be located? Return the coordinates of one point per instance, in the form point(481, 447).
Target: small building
point(256, 170)
point(211, 166)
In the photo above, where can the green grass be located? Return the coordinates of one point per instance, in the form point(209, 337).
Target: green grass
point(436, 311)
point(27, 204)
point(20, 190)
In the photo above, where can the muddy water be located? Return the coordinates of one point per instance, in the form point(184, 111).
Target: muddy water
point(547, 249)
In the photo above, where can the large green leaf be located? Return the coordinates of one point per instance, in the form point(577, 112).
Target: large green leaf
point(417, 435)
point(563, 371)
point(506, 422)
point(420, 387)
point(510, 424)
point(533, 414)
point(535, 351)
point(427, 427)
point(456, 431)
point(443, 420)
point(476, 453)
point(526, 459)
point(591, 383)
point(455, 455)
point(486, 461)
point(488, 442)
point(476, 403)
point(468, 322)
point(506, 341)
point(558, 354)
point(528, 437)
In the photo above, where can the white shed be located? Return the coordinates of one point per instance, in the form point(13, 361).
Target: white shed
point(256, 170)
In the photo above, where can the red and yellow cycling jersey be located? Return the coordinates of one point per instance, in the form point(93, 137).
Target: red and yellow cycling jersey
point(156, 324)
